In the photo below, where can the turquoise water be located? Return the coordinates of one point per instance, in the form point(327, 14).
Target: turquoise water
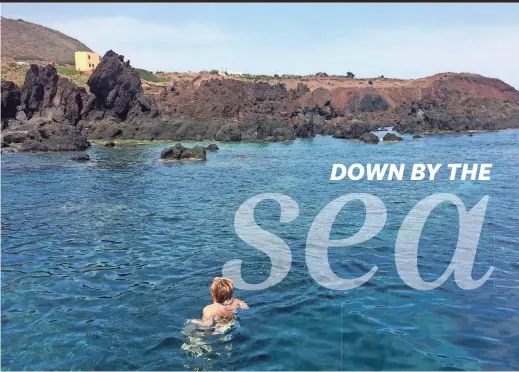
point(103, 261)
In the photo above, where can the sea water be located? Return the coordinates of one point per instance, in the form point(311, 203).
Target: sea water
point(102, 262)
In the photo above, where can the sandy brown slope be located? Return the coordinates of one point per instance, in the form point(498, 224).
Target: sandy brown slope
point(31, 42)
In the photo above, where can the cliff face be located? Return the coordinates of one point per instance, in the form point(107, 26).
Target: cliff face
point(453, 102)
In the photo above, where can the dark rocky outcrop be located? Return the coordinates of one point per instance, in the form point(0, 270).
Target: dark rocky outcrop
point(41, 134)
point(10, 101)
point(179, 152)
point(392, 137)
point(446, 115)
point(117, 91)
point(305, 130)
point(80, 157)
point(47, 115)
point(116, 107)
point(212, 147)
point(351, 131)
point(229, 132)
point(46, 95)
point(369, 138)
point(368, 103)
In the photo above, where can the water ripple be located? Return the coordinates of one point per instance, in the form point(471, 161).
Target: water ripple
point(102, 262)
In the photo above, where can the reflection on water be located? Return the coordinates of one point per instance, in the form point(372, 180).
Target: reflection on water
point(102, 262)
point(199, 339)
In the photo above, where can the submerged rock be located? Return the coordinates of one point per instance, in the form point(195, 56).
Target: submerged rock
point(391, 137)
point(80, 157)
point(179, 152)
point(369, 138)
point(212, 147)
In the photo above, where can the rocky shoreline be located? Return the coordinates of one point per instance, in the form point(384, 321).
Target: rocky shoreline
point(49, 113)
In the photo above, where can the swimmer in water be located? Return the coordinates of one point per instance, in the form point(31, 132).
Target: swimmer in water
point(223, 309)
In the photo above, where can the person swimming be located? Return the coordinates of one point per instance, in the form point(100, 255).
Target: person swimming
point(222, 312)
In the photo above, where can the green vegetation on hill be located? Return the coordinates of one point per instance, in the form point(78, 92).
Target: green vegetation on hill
point(257, 77)
point(66, 71)
point(16, 73)
point(28, 58)
point(150, 76)
point(79, 78)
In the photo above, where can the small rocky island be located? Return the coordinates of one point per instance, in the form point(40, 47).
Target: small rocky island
point(392, 137)
point(179, 152)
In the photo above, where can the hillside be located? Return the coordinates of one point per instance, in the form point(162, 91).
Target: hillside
point(25, 41)
point(345, 91)
point(442, 102)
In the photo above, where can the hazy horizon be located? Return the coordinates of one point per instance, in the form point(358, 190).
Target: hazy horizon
point(405, 41)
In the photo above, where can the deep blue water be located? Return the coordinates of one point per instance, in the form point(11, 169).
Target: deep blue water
point(103, 261)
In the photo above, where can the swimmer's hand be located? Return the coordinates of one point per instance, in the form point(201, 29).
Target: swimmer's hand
point(243, 305)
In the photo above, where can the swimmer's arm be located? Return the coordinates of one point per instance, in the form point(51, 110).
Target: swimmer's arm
point(207, 319)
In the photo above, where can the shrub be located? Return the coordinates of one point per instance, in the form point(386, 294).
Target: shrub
point(28, 58)
point(77, 77)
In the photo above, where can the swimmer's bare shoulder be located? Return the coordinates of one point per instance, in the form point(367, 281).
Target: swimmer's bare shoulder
point(210, 312)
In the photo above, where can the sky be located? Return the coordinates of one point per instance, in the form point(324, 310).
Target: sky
point(394, 40)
